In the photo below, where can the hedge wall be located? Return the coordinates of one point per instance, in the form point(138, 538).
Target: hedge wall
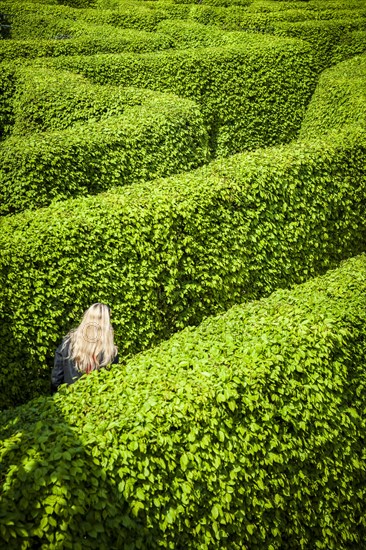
point(161, 136)
point(127, 41)
point(136, 16)
point(330, 39)
point(263, 16)
point(247, 432)
point(55, 17)
point(45, 99)
point(321, 24)
point(251, 95)
point(7, 90)
point(339, 99)
point(191, 34)
point(353, 44)
point(167, 253)
point(55, 32)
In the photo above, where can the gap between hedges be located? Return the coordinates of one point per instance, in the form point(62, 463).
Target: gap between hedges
point(247, 431)
point(169, 253)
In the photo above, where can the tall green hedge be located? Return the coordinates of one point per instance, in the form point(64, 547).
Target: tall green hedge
point(7, 90)
point(339, 99)
point(353, 44)
point(126, 41)
point(327, 37)
point(322, 24)
point(251, 95)
point(247, 432)
point(51, 31)
point(168, 253)
point(135, 16)
point(161, 136)
point(53, 17)
point(45, 99)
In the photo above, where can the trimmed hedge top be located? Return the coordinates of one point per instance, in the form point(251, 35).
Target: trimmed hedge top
point(154, 135)
point(339, 99)
point(245, 432)
point(251, 95)
point(168, 253)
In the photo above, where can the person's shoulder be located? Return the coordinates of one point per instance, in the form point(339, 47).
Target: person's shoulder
point(63, 348)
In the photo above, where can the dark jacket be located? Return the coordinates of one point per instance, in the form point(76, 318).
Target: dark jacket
point(64, 370)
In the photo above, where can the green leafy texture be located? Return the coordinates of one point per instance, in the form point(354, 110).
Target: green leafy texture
point(86, 138)
point(56, 18)
point(353, 44)
point(331, 27)
point(56, 33)
point(252, 94)
point(7, 90)
point(167, 253)
point(339, 99)
point(327, 37)
point(45, 99)
point(246, 432)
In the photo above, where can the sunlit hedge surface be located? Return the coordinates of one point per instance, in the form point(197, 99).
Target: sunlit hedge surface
point(67, 137)
point(340, 98)
point(246, 432)
point(168, 253)
point(252, 94)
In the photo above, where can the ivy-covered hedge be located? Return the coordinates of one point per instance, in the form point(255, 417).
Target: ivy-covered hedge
point(161, 136)
point(168, 253)
point(251, 95)
point(340, 98)
point(247, 432)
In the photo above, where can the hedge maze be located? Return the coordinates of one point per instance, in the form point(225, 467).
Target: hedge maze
point(201, 168)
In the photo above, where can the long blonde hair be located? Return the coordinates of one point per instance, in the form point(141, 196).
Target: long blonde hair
point(92, 342)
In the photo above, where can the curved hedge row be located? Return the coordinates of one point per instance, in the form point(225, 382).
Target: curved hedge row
point(44, 32)
point(339, 99)
point(251, 95)
point(131, 15)
point(327, 28)
point(247, 432)
point(45, 99)
point(161, 136)
point(168, 253)
point(128, 41)
point(331, 40)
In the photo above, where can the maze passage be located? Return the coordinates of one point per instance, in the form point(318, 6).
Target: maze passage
point(68, 137)
point(169, 253)
point(229, 434)
point(199, 167)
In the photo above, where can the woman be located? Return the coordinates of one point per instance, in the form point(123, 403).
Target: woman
point(88, 347)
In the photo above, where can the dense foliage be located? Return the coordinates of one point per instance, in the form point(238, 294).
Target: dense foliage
point(168, 253)
point(247, 432)
point(251, 95)
point(69, 138)
point(339, 99)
